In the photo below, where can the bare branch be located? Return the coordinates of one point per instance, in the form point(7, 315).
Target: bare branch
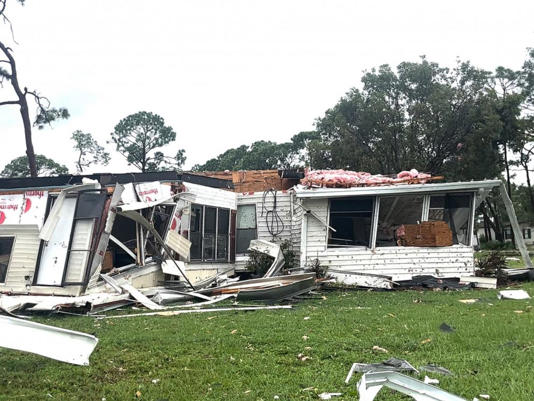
point(9, 102)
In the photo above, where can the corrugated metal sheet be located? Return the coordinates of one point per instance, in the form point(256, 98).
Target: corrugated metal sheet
point(209, 196)
point(399, 262)
point(178, 244)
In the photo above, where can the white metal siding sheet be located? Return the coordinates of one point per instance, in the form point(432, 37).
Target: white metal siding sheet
point(283, 207)
point(23, 255)
point(399, 262)
point(210, 196)
point(317, 231)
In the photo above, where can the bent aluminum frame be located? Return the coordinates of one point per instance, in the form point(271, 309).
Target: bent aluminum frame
point(371, 383)
point(49, 341)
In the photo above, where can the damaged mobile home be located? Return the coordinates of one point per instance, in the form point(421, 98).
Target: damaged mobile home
point(90, 236)
point(56, 238)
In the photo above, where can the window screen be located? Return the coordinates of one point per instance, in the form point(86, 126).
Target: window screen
point(209, 233)
point(394, 212)
point(455, 209)
point(352, 220)
point(246, 227)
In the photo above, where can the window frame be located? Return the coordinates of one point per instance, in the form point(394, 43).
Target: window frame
point(424, 215)
point(373, 228)
point(216, 234)
point(238, 230)
point(8, 265)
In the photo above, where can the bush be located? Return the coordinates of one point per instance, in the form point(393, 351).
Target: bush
point(491, 266)
point(496, 245)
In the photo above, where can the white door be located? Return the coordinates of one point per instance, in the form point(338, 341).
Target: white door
point(54, 253)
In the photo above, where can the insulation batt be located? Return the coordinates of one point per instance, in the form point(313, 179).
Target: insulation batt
point(346, 178)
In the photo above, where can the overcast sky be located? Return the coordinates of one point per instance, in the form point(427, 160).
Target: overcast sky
point(226, 73)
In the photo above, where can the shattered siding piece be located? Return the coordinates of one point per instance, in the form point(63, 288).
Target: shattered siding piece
point(272, 250)
point(169, 267)
point(513, 294)
point(480, 282)
point(209, 196)
point(52, 342)
point(371, 383)
point(27, 208)
point(134, 292)
point(362, 279)
point(178, 244)
point(392, 364)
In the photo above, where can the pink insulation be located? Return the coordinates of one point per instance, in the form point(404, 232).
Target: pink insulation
point(345, 178)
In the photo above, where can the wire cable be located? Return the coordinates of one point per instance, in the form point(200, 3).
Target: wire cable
point(275, 224)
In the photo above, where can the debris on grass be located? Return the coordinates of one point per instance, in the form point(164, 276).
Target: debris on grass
point(444, 327)
point(328, 396)
point(469, 301)
point(392, 364)
point(372, 382)
point(513, 294)
point(429, 380)
point(380, 349)
point(432, 368)
point(302, 357)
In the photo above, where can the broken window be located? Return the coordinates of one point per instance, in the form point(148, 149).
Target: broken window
point(6, 246)
point(455, 210)
point(246, 227)
point(394, 212)
point(352, 220)
point(209, 233)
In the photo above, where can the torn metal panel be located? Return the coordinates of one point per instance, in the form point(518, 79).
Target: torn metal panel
point(163, 298)
point(112, 283)
point(372, 382)
point(96, 264)
point(146, 224)
point(178, 244)
point(171, 268)
point(207, 310)
point(392, 364)
point(209, 196)
point(479, 282)
point(145, 195)
point(47, 303)
point(55, 214)
point(52, 342)
point(270, 249)
point(432, 368)
point(267, 288)
point(134, 292)
point(367, 280)
point(513, 294)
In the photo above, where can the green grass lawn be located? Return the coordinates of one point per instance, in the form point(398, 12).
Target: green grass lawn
point(254, 355)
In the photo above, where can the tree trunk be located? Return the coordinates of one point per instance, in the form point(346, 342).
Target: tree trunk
point(529, 187)
point(24, 111)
